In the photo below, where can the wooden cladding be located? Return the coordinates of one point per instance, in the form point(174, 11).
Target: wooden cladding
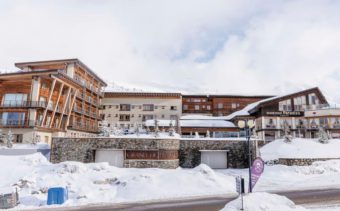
point(151, 154)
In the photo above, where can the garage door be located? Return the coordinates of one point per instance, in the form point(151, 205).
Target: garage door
point(113, 157)
point(214, 159)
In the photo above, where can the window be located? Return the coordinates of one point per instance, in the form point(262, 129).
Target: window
point(163, 116)
point(235, 105)
point(196, 100)
point(156, 107)
point(110, 106)
point(117, 107)
point(208, 107)
point(299, 103)
point(109, 115)
point(312, 99)
point(173, 108)
point(185, 107)
point(285, 105)
point(147, 117)
point(14, 98)
point(139, 115)
point(124, 117)
point(197, 107)
point(13, 118)
point(173, 117)
point(125, 107)
point(163, 107)
point(132, 115)
point(116, 115)
point(148, 107)
point(220, 105)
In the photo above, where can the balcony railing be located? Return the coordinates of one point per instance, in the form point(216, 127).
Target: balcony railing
point(18, 123)
point(81, 126)
point(23, 104)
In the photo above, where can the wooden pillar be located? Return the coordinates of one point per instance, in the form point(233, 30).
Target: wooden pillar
point(57, 103)
point(48, 100)
point(70, 111)
point(64, 107)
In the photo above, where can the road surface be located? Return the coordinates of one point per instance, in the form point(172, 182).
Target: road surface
point(330, 196)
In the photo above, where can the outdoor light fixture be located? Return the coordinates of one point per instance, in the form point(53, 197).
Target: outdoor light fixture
point(248, 125)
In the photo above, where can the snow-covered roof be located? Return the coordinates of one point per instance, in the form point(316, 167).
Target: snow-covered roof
point(192, 123)
point(161, 123)
point(206, 123)
point(202, 117)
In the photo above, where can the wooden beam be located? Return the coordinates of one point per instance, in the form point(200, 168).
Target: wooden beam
point(66, 101)
point(61, 81)
point(49, 99)
point(56, 104)
point(70, 111)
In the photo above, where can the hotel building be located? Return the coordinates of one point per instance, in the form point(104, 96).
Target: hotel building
point(50, 98)
point(216, 105)
point(126, 109)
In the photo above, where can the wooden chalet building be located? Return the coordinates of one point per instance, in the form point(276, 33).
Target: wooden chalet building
point(50, 98)
point(216, 105)
point(303, 113)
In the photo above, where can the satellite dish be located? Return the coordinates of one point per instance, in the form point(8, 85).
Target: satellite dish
point(251, 123)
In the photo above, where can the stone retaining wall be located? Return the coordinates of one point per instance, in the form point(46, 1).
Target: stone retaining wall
point(83, 150)
point(300, 161)
point(190, 155)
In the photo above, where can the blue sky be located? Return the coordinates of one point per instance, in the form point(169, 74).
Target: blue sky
point(232, 47)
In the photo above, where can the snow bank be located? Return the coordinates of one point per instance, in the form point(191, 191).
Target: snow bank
point(261, 201)
point(300, 148)
point(28, 146)
point(101, 183)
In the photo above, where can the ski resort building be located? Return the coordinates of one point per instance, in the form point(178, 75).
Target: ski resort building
point(216, 105)
point(301, 113)
point(129, 109)
point(50, 98)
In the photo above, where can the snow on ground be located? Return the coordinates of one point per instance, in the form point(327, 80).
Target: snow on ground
point(39, 145)
point(99, 182)
point(323, 174)
point(300, 148)
point(263, 202)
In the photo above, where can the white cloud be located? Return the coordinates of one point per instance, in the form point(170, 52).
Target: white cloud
point(247, 47)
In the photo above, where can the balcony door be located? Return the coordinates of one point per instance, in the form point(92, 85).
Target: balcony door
point(14, 99)
point(13, 118)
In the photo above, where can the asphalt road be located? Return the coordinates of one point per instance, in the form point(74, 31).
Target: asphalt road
point(330, 196)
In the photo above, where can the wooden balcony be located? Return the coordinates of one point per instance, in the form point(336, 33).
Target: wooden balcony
point(15, 123)
point(23, 104)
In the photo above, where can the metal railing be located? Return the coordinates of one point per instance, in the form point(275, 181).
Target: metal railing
point(18, 123)
point(23, 104)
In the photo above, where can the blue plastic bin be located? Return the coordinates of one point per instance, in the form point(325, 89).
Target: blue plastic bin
point(57, 195)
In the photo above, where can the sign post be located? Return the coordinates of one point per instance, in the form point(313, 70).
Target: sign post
point(240, 188)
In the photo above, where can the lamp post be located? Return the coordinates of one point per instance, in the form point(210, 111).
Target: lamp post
point(248, 125)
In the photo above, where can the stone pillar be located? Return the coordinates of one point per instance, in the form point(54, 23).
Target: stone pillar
point(35, 88)
point(278, 127)
point(70, 69)
point(293, 127)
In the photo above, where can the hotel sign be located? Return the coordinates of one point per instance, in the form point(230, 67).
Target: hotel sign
point(284, 113)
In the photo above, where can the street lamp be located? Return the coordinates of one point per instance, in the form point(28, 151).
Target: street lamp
point(248, 125)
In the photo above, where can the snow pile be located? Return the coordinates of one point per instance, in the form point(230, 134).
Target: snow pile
point(101, 183)
point(300, 148)
point(263, 202)
point(39, 145)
